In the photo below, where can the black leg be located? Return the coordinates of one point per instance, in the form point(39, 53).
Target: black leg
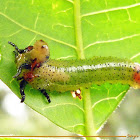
point(16, 53)
point(18, 50)
point(46, 95)
point(23, 66)
point(22, 87)
point(20, 78)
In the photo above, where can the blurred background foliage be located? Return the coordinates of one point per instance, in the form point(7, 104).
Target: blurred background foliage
point(19, 119)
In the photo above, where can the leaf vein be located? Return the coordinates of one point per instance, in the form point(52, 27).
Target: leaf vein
point(12, 34)
point(36, 20)
point(70, 56)
point(113, 40)
point(108, 98)
point(70, 1)
point(111, 10)
point(136, 55)
point(36, 32)
point(56, 105)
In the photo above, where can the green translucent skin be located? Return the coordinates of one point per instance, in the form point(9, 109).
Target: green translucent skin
point(34, 66)
point(69, 75)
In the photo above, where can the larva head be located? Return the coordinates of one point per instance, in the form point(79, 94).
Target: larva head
point(22, 55)
point(40, 51)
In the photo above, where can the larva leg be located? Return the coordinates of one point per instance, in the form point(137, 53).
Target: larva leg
point(18, 50)
point(46, 95)
point(20, 78)
point(22, 87)
point(16, 53)
point(23, 66)
point(76, 93)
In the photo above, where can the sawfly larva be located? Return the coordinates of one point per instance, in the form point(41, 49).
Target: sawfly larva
point(34, 66)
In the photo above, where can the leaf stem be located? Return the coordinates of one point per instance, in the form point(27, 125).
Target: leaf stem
point(89, 123)
point(78, 29)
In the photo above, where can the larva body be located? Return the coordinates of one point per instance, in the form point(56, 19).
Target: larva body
point(45, 74)
point(67, 75)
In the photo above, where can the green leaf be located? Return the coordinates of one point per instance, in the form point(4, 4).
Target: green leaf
point(73, 30)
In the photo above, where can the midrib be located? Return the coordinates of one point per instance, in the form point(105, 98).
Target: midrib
point(78, 30)
point(89, 123)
